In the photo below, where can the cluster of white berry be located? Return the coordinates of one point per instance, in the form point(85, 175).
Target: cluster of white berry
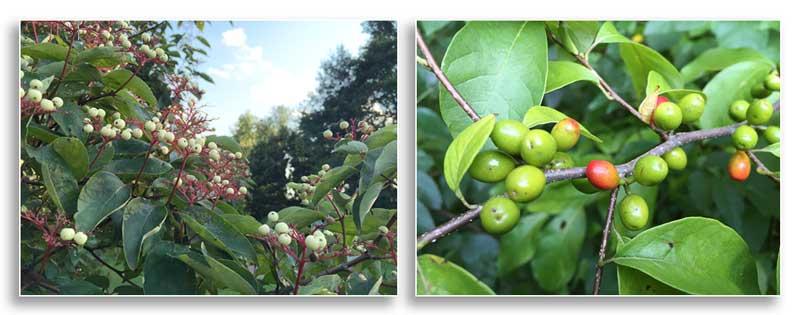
point(117, 127)
point(305, 189)
point(69, 234)
point(34, 94)
point(316, 241)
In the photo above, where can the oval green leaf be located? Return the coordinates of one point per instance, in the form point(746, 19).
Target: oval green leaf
point(463, 150)
point(103, 194)
point(437, 276)
point(140, 219)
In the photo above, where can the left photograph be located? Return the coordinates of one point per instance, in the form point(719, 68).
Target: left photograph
point(208, 157)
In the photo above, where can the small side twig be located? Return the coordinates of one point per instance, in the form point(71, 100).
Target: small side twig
point(763, 168)
point(598, 274)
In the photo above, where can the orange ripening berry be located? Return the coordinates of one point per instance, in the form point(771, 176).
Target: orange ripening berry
point(602, 174)
point(739, 166)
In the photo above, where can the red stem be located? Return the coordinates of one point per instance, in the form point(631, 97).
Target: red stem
point(300, 268)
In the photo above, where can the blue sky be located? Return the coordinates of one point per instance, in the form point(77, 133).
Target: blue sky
point(259, 65)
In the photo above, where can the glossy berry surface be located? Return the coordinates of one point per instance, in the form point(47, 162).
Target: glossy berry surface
point(759, 112)
point(650, 170)
point(507, 135)
point(525, 183)
point(491, 166)
point(633, 212)
point(499, 215)
point(602, 174)
point(772, 134)
point(738, 110)
point(739, 166)
point(676, 159)
point(667, 116)
point(745, 138)
point(773, 82)
point(661, 99)
point(692, 106)
point(538, 147)
point(566, 132)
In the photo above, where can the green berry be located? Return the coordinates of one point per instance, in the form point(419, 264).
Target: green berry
point(692, 106)
point(676, 159)
point(499, 215)
point(738, 110)
point(634, 212)
point(566, 132)
point(650, 170)
point(667, 116)
point(772, 134)
point(560, 160)
point(538, 147)
point(759, 112)
point(745, 138)
point(773, 82)
point(525, 183)
point(507, 135)
point(491, 166)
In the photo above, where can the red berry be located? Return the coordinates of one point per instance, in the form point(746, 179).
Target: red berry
point(661, 99)
point(739, 166)
point(602, 174)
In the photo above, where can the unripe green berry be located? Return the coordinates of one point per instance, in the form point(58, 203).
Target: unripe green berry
point(67, 234)
point(491, 166)
point(566, 132)
point(773, 82)
point(538, 147)
point(80, 238)
point(499, 215)
point(634, 212)
point(667, 116)
point(525, 183)
point(650, 170)
point(676, 159)
point(745, 137)
point(759, 112)
point(507, 135)
point(692, 106)
point(772, 134)
point(738, 110)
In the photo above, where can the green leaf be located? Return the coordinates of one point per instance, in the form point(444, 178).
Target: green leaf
point(639, 59)
point(437, 276)
point(717, 59)
point(128, 168)
point(695, 255)
point(129, 107)
point(634, 282)
point(382, 136)
point(499, 68)
point(367, 201)
point(558, 197)
point(540, 115)
point(730, 84)
point(74, 155)
point(324, 285)
point(166, 275)
point(103, 194)
point(70, 120)
point(385, 164)
point(79, 287)
point(101, 57)
point(217, 272)
point(203, 41)
point(83, 73)
point(118, 78)
point(215, 230)
point(563, 73)
point(330, 180)
point(41, 133)
point(774, 149)
point(47, 51)
point(656, 86)
point(369, 226)
point(463, 150)
point(557, 249)
point(225, 142)
point(518, 245)
point(245, 224)
point(350, 147)
point(141, 218)
point(580, 33)
point(62, 187)
point(299, 216)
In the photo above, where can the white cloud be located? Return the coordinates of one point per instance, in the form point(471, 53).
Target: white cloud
point(234, 38)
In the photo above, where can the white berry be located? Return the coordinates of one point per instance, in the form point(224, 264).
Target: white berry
point(137, 133)
point(264, 229)
point(126, 134)
point(149, 126)
point(67, 234)
point(282, 228)
point(34, 95)
point(285, 239)
point(47, 105)
point(88, 128)
point(273, 216)
point(58, 101)
point(80, 238)
point(243, 190)
point(119, 123)
point(36, 84)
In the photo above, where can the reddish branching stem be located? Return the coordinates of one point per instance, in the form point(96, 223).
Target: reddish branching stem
point(601, 255)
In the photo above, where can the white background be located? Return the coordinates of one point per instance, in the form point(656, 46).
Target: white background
point(405, 12)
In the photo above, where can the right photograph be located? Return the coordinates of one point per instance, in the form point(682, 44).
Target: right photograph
point(598, 158)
